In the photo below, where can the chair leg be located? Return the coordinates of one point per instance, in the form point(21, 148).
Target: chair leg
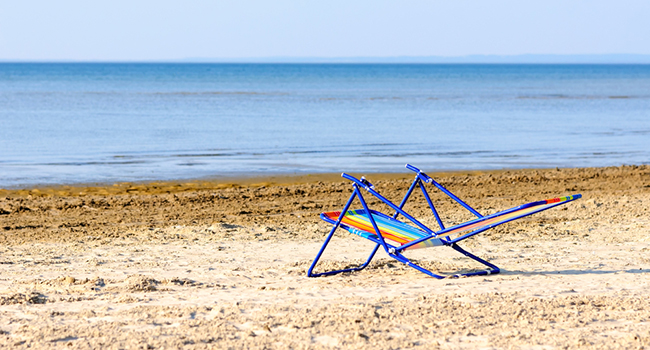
point(310, 272)
point(493, 269)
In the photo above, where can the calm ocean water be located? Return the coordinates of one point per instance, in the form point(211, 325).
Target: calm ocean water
point(80, 123)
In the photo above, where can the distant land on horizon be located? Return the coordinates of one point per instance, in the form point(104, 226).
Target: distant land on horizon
point(469, 59)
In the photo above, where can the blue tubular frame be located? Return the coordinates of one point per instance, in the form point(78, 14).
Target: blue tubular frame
point(397, 252)
point(392, 251)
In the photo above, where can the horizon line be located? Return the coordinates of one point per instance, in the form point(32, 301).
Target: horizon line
point(466, 59)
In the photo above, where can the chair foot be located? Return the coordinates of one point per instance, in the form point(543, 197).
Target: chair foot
point(310, 272)
point(493, 269)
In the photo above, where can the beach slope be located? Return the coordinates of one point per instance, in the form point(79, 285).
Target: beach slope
point(210, 264)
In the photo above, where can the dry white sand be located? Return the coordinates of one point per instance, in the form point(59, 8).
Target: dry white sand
point(553, 293)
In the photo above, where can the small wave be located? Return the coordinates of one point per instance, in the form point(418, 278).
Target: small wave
point(621, 132)
point(428, 154)
point(385, 98)
point(204, 93)
point(386, 144)
point(376, 98)
point(207, 155)
point(192, 164)
point(94, 163)
point(578, 97)
point(613, 153)
point(309, 152)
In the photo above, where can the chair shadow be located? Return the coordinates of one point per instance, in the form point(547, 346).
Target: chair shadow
point(573, 272)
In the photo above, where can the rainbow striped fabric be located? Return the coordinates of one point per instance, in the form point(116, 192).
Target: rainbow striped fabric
point(358, 222)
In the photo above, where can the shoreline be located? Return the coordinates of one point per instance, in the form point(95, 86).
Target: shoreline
point(212, 183)
point(218, 183)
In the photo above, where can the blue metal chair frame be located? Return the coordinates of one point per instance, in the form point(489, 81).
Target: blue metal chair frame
point(438, 238)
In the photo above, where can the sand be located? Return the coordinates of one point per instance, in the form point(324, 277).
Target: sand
point(214, 264)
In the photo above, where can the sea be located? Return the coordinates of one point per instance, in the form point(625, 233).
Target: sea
point(80, 123)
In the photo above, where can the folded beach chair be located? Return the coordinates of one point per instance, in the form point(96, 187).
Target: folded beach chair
point(397, 236)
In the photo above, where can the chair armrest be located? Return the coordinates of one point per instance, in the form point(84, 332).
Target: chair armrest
point(363, 183)
point(424, 177)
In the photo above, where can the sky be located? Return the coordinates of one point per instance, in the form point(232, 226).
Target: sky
point(145, 30)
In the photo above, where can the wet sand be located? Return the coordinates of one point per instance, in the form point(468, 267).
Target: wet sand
point(221, 264)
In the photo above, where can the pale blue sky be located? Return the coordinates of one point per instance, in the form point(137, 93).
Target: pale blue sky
point(162, 29)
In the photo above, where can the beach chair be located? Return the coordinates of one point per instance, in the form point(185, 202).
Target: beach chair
point(396, 236)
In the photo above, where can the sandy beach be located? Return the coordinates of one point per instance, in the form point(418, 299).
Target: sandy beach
point(222, 264)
